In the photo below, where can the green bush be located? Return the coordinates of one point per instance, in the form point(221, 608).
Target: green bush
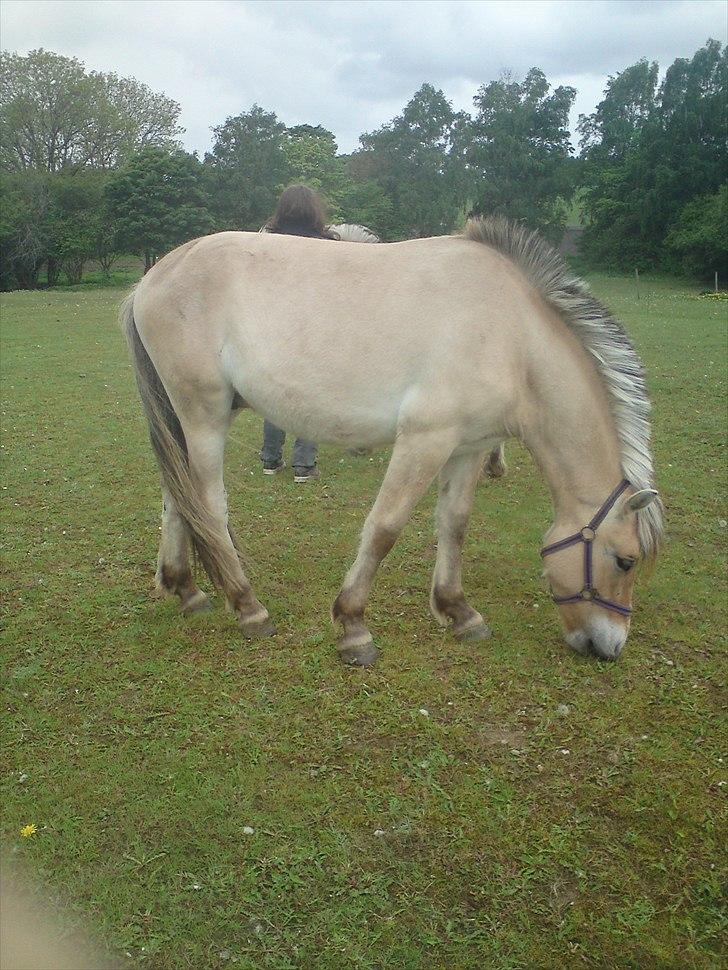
point(698, 240)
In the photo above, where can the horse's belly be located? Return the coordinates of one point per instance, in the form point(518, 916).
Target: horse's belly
point(320, 411)
point(344, 426)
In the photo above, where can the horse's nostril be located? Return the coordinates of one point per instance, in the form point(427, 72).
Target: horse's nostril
point(594, 651)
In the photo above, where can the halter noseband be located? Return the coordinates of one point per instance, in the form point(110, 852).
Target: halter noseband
point(586, 535)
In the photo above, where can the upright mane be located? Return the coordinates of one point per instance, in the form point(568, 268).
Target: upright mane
point(604, 338)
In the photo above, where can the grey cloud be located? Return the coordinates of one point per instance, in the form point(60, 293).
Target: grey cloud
point(352, 65)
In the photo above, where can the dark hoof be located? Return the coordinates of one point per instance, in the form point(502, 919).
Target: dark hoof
point(362, 655)
point(199, 603)
point(257, 629)
point(479, 632)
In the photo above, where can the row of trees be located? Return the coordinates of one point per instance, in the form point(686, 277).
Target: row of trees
point(90, 166)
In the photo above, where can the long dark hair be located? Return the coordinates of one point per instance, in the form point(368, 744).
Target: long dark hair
point(300, 212)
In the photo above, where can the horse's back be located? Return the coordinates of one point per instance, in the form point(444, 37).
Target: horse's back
point(441, 276)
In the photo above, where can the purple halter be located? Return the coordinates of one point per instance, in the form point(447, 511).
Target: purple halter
point(586, 535)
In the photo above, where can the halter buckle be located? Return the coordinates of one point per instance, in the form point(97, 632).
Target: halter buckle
point(588, 534)
point(588, 593)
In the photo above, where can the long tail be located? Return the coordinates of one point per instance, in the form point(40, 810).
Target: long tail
point(170, 448)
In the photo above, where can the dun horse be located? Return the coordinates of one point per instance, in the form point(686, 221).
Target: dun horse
point(445, 347)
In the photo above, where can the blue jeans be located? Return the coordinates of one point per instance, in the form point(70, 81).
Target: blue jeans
point(304, 452)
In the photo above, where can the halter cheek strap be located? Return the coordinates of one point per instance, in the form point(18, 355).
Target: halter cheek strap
point(586, 535)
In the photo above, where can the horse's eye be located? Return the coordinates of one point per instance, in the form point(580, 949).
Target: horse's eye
point(625, 563)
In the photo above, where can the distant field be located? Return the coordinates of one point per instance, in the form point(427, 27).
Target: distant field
point(546, 812)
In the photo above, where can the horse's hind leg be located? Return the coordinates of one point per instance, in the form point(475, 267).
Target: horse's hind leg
point(495, 464)
point(458, 480)
point(206, 449)
point(416, 460)
point(174, 575)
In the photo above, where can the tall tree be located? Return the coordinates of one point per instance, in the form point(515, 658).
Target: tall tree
point(158, 201)
point(54, 116)
point(130, 117)
point(614, 130)
point(518, 151)
point(411, 160)
point(691, 128)
point(248, 168)
point(27, 228)
point(649, 154)
point(613, 179)
point(78, 211)
point(310, 154)
point(365, 203)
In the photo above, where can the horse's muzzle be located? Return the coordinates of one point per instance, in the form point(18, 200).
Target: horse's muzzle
point(601, 639)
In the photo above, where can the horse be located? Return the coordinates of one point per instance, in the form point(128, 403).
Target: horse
point(444, 347)
point(353, 232)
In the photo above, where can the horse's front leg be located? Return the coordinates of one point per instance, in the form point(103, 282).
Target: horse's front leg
point(416, 460)
point(458, 480)
point(174, 575)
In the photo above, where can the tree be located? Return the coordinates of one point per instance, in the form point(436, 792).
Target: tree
point(105, 250)
point(411, 160)
point(158, 201)
point(686, 146)
point(518, 153)
point(27, 228)
point(310, 155)
point(78, 209)
point(612, 180)
point(131, 117)
point(248, 168)
point(648, 154)
point(56, 117)
point(365, 203)
point(699, 237)
point(614, 130)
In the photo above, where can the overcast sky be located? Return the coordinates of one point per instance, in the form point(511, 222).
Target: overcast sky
point(351, 65)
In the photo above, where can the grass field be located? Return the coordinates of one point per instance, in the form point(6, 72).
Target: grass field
point(504, 805)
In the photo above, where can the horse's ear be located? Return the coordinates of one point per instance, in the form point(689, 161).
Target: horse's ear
point(639, 500)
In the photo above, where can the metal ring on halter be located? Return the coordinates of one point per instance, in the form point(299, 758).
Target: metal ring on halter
point(587, 535)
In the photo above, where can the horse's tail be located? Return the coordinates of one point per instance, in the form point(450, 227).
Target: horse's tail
point(170, 447)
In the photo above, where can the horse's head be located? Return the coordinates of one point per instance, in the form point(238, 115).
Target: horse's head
point(592, 571)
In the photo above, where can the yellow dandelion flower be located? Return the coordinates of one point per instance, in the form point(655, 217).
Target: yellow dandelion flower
point(28, 830)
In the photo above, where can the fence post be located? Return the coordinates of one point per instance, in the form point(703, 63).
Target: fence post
point(716, 281)
point(637, 281)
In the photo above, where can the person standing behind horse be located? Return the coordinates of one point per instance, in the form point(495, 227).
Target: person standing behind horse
point(300, 212)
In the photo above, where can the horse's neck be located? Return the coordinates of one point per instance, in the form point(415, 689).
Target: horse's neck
point(569, 428)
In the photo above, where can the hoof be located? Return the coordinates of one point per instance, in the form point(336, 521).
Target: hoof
point(199, 603)
point(478, 632)
point(257, 629)
point(361, 655)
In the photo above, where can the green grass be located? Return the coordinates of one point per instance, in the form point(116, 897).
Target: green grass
point(149, 741)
